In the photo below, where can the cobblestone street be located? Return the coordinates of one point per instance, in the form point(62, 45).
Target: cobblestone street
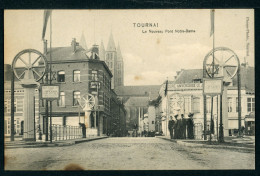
point(128, 154)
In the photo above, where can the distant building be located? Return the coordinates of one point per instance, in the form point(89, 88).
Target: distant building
point(113, 57)
point(184, 95)
point(136, 100)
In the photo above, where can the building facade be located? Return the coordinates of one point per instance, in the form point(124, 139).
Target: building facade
point(18, 105)
point(184, 95)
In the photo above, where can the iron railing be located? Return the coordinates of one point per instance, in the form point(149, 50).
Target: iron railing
point(66, 132)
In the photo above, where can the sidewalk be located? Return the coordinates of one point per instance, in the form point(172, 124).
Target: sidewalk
point(33, 144)
point(245, 143)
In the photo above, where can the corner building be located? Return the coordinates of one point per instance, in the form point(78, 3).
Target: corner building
point(79, 72)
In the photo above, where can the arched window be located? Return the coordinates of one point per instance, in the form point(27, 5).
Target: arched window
point(61, 76)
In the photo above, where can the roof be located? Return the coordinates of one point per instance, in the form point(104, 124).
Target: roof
point(66, 53)
point(148, 90)
point(247, 77)
point(187, 76)
point(111, 44)
point(102, 51)
point(137, 101)
point(83, 41)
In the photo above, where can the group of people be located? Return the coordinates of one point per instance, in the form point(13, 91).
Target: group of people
point(181, 128)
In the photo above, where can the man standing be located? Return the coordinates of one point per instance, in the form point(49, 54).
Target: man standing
point(170, 126)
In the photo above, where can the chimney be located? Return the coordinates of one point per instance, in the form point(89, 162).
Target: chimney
point(45, 42)
point(95, 49)
point(95, 52)
point(74, 44)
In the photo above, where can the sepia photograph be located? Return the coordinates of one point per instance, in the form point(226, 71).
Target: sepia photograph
point(150, 89)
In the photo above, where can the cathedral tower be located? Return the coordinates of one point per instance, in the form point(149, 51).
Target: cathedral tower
point(111, 59)
point(120, 68)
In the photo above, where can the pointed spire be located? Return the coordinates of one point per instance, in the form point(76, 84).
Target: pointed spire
point(83, 41)
point(119, 54)
point(102, 51)
point(111, 44)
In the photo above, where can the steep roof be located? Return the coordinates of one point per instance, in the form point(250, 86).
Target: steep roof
point(83, 41)
point(138, 90)
point(102, 51)
point(119, 54)
point(111, 44)
point(186, 76)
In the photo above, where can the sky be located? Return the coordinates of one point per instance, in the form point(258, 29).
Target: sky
point(149, 58)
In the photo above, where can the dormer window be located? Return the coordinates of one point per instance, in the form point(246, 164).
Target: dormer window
point(197, 81)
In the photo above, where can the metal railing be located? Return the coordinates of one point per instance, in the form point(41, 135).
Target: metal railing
point(65, 132)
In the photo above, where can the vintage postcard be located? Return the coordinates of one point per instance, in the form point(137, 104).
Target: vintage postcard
point(169, 89)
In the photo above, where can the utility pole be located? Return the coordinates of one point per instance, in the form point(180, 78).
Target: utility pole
point(12, 106)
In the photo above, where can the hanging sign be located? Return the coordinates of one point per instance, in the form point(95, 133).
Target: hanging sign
point(50, 92)
point(212, 86)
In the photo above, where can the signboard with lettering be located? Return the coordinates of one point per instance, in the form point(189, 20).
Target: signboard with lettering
point(212, 86)
point(50, 92)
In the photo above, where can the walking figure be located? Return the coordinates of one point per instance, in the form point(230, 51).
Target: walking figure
point(171, 126)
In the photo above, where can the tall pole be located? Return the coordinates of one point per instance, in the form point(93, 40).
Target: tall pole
point(239, 99)
point(12, 106)
point(98, 111)
point(221, 133)
point(211, 118)
point(50, 76)
point(205, 115)
point(217, 117)
point(167, 108)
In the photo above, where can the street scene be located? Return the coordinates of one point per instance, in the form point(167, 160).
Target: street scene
point(129, 154)
point(129, 89)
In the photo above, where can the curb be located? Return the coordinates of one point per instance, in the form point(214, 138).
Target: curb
point(207, 146)
point(60, 144)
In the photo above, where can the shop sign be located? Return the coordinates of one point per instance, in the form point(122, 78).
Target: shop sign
point(212, 86)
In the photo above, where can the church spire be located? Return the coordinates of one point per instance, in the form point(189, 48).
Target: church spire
point(83, 41)
point(119, 54)
point(102, 51)
point(111, 44)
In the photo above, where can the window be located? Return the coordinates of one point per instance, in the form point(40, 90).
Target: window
point(61, 76)
point(94, 75)
point(62, 99)
point(196, 105)
point(76, 98)
point(187, 104)
point(76, 76)
point(250, 104)
point(229, 104)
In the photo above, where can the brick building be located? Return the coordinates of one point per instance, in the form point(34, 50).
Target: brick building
point(80, 72)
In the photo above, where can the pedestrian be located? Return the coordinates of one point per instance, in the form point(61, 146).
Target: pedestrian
point(183, 127)
point(171, 126)
point(83, 127)
point(176, 128)
point(190, 126)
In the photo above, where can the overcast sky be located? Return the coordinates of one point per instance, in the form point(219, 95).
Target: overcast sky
point(149, 58)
